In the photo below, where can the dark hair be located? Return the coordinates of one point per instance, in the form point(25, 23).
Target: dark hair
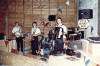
point(16, 22)
point(59, 18)
point(34, 23)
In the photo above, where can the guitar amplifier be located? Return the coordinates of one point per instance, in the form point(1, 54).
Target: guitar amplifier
point(75, 44)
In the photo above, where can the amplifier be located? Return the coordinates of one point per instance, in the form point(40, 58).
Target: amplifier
point(75, 44)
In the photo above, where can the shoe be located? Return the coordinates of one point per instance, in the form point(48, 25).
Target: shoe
point(21, 53)
point(55, 54)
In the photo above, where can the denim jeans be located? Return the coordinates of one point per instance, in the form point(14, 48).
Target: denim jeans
point(58, 46)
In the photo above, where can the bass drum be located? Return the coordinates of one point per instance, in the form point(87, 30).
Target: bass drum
point(45, 46)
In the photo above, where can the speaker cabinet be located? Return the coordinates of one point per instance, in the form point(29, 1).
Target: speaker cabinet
point(85, 14)
point(52, 17)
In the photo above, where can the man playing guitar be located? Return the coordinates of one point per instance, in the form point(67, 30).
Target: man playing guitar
point(17, 31)
point(35, 32)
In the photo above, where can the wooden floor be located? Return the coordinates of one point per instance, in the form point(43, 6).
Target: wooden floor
point(62, 60)
point(16, 59)
point(65, 61)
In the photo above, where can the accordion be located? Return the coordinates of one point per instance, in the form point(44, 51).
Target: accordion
point(58, 32)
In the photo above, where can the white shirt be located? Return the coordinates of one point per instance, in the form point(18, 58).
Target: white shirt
point(17, 31)
point(64, 29)
point(62, 26)
point(35, 31)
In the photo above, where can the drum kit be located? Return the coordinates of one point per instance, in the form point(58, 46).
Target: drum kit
point(47, 43)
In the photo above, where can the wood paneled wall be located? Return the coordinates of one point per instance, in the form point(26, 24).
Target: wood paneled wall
point(3, 9)
point(27, 11)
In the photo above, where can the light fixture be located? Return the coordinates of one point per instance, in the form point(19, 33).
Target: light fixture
point(67, 2)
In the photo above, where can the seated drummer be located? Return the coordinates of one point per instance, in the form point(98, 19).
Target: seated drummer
point(61, 31)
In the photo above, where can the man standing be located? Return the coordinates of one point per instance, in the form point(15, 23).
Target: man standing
point(17, 31)
point(35, 32)
point(60, 31)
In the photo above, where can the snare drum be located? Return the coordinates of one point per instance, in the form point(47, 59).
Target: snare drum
point(45, 39)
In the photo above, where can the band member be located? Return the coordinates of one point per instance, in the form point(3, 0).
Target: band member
point(60, 36)
point(35, 32)
point(17, 31)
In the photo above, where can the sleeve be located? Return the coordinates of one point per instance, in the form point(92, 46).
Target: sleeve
point(13, 30)
point(20, 28)
point(65, 29)
point(32, 31)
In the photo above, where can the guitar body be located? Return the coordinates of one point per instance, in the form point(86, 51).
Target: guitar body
point(32, 37)
point(17, 34)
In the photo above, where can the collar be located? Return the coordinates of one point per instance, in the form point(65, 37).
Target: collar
point(34, 27)
point(59, 25)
